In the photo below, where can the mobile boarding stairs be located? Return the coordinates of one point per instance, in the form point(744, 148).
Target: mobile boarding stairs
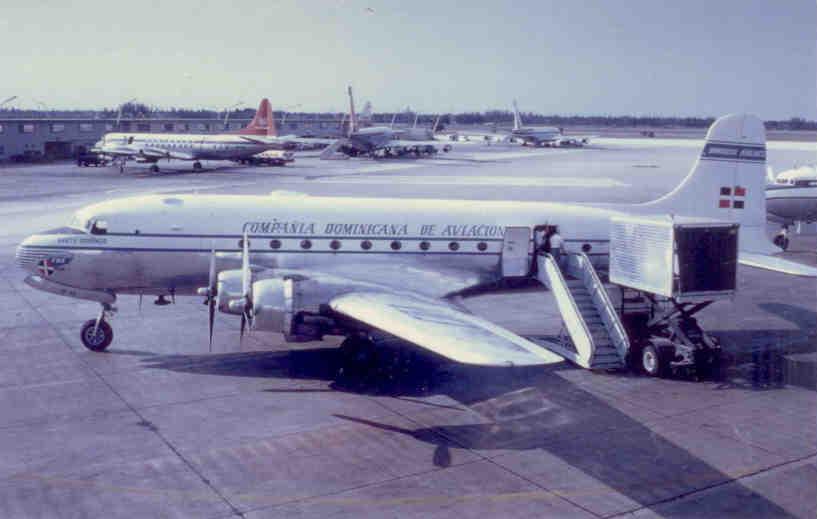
point(646, 324)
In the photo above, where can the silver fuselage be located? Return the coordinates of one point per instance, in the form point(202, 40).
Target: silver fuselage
point(162, 244)
point(183, 146)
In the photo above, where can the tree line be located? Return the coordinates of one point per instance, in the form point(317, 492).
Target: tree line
point(489, 117)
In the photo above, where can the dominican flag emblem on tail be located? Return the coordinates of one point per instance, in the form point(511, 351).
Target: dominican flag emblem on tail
point(732, 197)
point(45, 267)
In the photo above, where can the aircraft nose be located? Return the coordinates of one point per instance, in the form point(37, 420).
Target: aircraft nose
point(35, 255)
point(26, 256)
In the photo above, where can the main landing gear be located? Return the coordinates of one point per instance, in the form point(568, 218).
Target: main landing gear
point(154, 168)
point(197, 166)
point(97, 334)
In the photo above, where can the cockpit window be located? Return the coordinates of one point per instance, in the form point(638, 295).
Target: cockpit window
point(99, 227)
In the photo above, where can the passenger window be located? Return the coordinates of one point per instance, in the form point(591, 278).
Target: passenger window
point(454, 246)
point(365, 245)
point(396, 245)
point(424, 245)
point(306, 244)
point(481, 246)
point(335, 244)
point(275, 244)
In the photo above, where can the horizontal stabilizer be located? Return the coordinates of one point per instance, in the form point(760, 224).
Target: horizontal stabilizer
point(764, 261)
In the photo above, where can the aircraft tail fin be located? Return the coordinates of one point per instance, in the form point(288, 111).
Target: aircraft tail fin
point(770, 178)
point(517, 120)
point(263, 123)
point(728, 182)
point(352, 115)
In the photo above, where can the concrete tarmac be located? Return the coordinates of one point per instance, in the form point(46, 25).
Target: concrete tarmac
point(158, 426)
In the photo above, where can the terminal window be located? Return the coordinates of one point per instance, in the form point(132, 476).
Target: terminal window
point(57, 128)
point(86, 127)
point(2, 128)
point(26, 128)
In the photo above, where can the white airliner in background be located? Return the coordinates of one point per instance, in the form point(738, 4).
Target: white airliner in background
point(258, 136)
point(526, 135)
point(312, 266)
point(791, 199)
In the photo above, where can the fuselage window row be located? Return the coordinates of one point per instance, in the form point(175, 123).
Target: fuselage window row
point(395, 245)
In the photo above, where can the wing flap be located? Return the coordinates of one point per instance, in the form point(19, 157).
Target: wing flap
point(438, 327)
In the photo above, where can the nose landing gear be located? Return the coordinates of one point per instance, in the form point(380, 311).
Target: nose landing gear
point(97, 334)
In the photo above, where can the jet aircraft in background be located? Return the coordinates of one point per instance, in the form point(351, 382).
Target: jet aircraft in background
point(383, 141)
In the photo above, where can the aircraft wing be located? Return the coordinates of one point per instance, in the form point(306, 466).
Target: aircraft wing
point(441, 328)
point(150, 153)
point(271, 140)
point(399, 143)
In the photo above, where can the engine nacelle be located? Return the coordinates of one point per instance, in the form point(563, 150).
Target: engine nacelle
point(273, 305)
point(229, 288)
point(293, 307)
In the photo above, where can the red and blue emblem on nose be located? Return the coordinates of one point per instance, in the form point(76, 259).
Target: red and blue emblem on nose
point(45, 267)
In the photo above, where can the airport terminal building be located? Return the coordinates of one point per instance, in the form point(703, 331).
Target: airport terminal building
point(41, 138)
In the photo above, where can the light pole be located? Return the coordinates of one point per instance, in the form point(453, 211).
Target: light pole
point(42, 106)
point(227, 112)
point(119, 112)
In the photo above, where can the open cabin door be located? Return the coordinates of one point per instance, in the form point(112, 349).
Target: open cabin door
point(516, 252)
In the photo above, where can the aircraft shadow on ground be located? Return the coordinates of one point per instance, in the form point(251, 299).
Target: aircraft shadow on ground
point(523, 409)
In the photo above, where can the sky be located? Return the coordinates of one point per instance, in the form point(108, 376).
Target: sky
point(638, 57)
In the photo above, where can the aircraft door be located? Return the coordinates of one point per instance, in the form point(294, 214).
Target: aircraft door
point(516, 252)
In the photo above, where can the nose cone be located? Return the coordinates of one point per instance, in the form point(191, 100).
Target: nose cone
point(38, 258)
point(26, 257)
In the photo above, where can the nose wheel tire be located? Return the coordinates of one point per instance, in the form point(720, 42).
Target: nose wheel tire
point(98, 341)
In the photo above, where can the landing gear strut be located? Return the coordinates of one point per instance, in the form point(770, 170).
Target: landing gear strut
point(97, 334)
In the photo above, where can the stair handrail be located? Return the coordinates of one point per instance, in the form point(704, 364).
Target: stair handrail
point(620, 338)
point(563, 286)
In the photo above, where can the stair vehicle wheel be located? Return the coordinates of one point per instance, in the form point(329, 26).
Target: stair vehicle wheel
point(654, 362)
point(99, 341)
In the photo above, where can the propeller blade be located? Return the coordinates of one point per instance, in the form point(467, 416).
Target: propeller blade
point(212, 309)
point(212, 277)
point(246, 281)
point(212, 289)
point(245, 266)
